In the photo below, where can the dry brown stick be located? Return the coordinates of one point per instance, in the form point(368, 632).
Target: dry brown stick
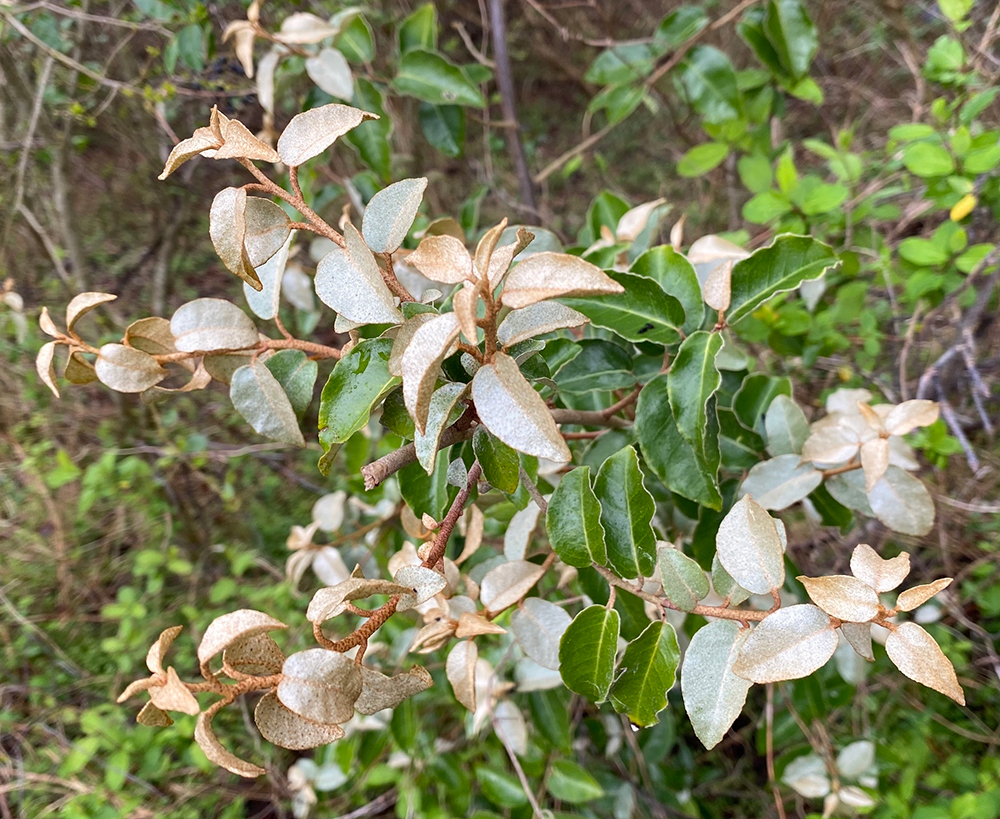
point(377, 471)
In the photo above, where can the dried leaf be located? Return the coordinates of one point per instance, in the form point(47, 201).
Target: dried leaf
point(348, 281)
point(125, 369)
point(424, 584)
point(136, 687)
point(47, 325)
point(379, 691)
point(431, 343)
point(918, 595)
point(832, 443)
point(82, 304)
point(553, 275)
point(227, 227)
point(331, 72)
point(239, 143)
point(881, 575)
point(902, 503)
point(229, 628)
point(535, 320)
point(286, 729)
point(807, 776)
point(915, 653)
point(874, 460)
point(473, 625)
point(511, 409)
point(504, 585)
point(474, 524)
point(330, 602)
point(843, 597)
point(909, 415)
point(157, 651)
point(749, 548)
point(465, 302)
point(267, 229)
point(442, 259)
point(460, 668)
point(790, 643)
point(391, 212)
point(259, 398)
point(634, 221)
point(320, 685)
point(173, 695)
point(859, 635)
point(45, 366)
point(151, 335)
point(243, 40)
point(485, 247)
point(313, 131)
point(303, 28)
point(502, 256)
point(713, 694)
point(78, 370)
point(152, 716)
point(203, 139)
point(538, 626)
point(709, 252)
point(404, 335)
point(717, 289)
point(213, 749)
point(257, 655)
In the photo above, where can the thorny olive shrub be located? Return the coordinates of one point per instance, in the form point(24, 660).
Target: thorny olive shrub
point(490, 408)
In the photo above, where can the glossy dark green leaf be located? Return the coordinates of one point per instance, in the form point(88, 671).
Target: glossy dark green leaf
point(296, 374)
point(371, 138)
point(599, 365)
point(427, 494)
point(587, 652)
point(356, 41)
point(627, 511)
point(621, 64)
point(646, 673)
point(499, 462)
point(502, 789)
point(644, 312)
point(691, 382)
point(710, 83)
point(550, 714)
point(783, 265)
point(679, 26)
point(430, 77)
point(677, 277)
point(419, 30)
point(604, 211)
point(568, 782)
point(792, 35)
point(751, 29)
point(682, 469)
point(444, 127)
point(358, 381)
point(684, 581)
point(573, 521)
point(753, 398)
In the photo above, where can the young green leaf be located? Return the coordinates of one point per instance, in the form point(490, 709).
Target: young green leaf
point(713, 694)
point(587, 652)
point(358, 382)
point(627, 511)
point(573, 521)
point(646, 673)
point(499, 462)
point(296, 374)
point(569, 782)
point(428, 76)
point(677, 277)
point(684, 581)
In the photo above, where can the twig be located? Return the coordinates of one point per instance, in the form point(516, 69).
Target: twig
point(377, 471)
point(533, 491)
point(588, 418)
point(448, 524)
point(769, 739)
point(951, 419)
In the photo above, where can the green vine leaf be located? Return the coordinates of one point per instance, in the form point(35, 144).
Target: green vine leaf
point(627, 511)
point(646, 673)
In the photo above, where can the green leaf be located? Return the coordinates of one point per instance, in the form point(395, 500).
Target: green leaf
point(605, 211)
point(679, 26)
point(926, 160)
point(428, 76)
point(297, 375)
point(754, 397)
point(419, 30)
point(785, 426)
point(782, 265)
point(755, 173)
point(550, 714)
point(499, 462)
point(642, 313)
point(444, 127)
point(692, 381)
point(426, 494)
point(684, 581)
point(568, 782)
point(618, 100)
point(710, 83)
point(573, 521)
point(702, 158)
point(356, 41)
point(682, 469)
point(646, 673)
point(751, 29)
point(676, 277)
point(587, 652)
point(371, 138)
point(501, 789)
point(358, 382)
point(923, 252)
point(626, 513)
point(258, 397)
point(765, 207)
point(191, 47)
point(792, 34)
point(621, 64)
point(600, 365)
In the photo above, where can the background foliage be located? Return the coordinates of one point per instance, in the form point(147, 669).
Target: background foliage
point(871, 127)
